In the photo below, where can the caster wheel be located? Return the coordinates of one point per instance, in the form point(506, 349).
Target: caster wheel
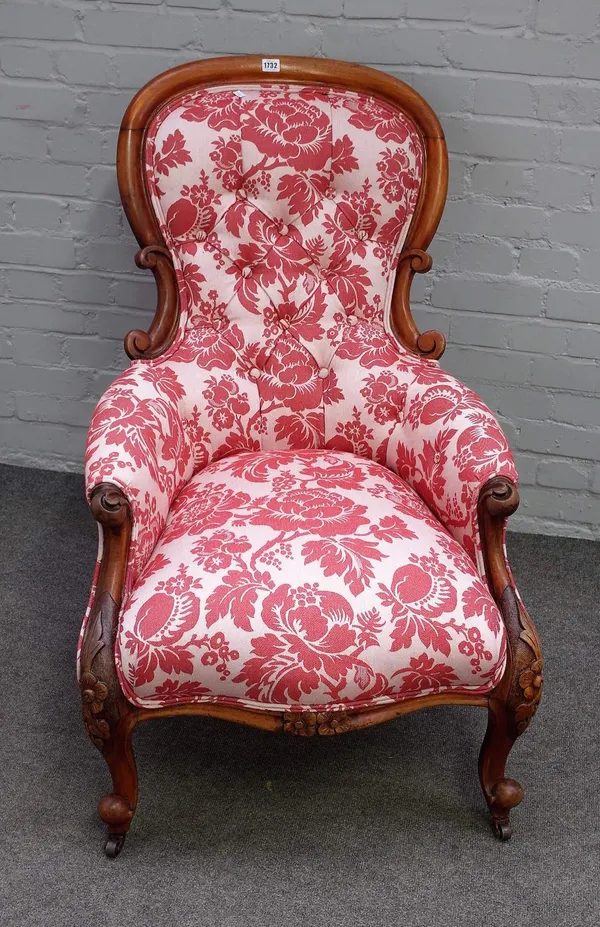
point(502, 831)
point(114, 845)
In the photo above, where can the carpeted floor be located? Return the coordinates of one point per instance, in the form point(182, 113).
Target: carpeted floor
point(238, 828)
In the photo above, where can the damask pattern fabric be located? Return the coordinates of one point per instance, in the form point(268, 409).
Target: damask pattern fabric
point(285, 209)
point(316, 578)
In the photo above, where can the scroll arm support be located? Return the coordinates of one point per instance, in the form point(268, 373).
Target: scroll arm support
point(140, 344)
point(432, 343)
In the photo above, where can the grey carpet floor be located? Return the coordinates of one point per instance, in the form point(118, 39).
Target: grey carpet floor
point(238, 828)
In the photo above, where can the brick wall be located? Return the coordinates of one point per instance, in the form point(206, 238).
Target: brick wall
point(516, 281)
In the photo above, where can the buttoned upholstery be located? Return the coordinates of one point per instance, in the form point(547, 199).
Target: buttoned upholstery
point(285, 209)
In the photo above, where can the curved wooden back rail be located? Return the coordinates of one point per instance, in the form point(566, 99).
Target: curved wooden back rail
point(136, 202)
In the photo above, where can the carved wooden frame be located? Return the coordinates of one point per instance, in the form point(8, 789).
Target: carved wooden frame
point(155, 255)
point(109, 718)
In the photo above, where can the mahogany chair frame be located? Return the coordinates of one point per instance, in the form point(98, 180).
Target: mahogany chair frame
point(109, 718)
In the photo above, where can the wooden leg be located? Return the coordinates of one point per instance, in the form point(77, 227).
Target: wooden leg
point(501, 793)
point(109, 720)
point(118, 807)
point(515, 699)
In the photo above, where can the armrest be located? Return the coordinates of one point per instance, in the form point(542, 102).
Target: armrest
point(450, 445)
point(138, 442)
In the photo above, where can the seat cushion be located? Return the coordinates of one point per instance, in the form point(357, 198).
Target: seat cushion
point(305, 578)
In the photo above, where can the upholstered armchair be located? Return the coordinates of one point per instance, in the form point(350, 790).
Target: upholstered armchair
point(301, 516)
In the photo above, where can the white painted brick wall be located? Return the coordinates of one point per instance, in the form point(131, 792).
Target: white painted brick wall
point(516, 281)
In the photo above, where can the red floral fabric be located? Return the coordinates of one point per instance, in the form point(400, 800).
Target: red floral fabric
point(285, 209)
point(139, 440)
point(295, 578)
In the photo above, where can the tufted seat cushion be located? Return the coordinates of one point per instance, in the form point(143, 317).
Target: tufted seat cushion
point(306, 578)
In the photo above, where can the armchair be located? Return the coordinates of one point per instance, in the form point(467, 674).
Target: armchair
point(301, 515)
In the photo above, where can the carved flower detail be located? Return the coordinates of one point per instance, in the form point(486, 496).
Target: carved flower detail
point(301, 724)
point(332, 722)
point(307, 723)
point(531, 680)
point(93, 692)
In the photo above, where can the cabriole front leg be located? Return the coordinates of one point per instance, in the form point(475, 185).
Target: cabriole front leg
point(501, 794)
point(514, 701)
point(109, 719)
point(118, 807)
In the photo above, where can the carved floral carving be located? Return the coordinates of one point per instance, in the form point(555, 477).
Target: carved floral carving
point(307, 723)
point(531, 682)
point(93, 691)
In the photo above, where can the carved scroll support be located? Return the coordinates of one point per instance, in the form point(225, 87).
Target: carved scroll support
point(515, 699)
point(109, 719)
point(431, 343)
point(141, 344)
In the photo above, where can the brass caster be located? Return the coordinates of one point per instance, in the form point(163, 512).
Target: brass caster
point(503, 831)
point(114, 845)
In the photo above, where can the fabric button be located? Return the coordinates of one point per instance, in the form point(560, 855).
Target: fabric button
point(361, 235)
point(330, 194)
point(284, 230)
point(246, 271)
point(255, 373)
point(241, 194)
point(323, 372)
point(352, 320)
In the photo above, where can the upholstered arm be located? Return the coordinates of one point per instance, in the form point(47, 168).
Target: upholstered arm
point(450, 446)
point(138, 442)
